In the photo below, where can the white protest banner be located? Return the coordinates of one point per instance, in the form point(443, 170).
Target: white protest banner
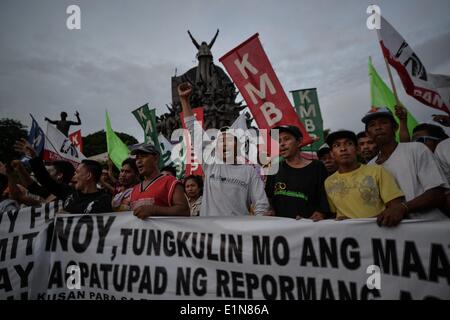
point(120, 257)
point(59, 147)
point(23, 236)
point(117, 256)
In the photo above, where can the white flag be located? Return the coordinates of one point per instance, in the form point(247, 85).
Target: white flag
point(431, 89)
point(59, 147)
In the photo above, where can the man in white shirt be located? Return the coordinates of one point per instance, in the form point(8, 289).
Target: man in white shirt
point(412, 164)
point(229, 189)
point(442, 154)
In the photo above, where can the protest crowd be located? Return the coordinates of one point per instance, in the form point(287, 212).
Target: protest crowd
point(390, 170)
point(364, 175)
point(394, 169)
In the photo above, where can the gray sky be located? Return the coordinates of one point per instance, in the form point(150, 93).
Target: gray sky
point(126, 52)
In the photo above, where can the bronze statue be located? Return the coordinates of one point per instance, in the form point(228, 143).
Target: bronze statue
point(63, 125)
point(212, 89)
point(205, 67)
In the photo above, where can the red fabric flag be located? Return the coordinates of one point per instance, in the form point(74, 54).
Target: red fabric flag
point(192, 165)
point(251, 71)
point(77, 140)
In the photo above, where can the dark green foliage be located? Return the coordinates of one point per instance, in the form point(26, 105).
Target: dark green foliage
point(95, 143)
point(10, 131)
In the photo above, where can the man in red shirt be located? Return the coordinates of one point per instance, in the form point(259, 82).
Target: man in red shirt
point(158, 194)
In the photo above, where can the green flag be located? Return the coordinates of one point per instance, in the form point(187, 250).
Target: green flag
point(117, 150)
point(306, 104)
point(382, 96)
point(147, 119)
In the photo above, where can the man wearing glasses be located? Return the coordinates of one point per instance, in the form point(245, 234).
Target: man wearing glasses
point(429, 134)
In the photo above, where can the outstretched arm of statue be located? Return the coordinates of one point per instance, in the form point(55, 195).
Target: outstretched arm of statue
point(51, 121)
point(77, 114)
point(193, 40)
point(213, 39)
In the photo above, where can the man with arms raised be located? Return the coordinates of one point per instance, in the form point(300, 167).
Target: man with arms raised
point(230, 188)
point(84, 196)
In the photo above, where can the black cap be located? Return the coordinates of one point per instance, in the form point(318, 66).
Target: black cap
point(323, 150)
point(340, 134)
point(290, 129)
point(377, 113)
point(144, 148)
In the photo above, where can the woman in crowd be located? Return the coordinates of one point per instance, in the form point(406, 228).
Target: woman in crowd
point(128, 178)
point(193, 187)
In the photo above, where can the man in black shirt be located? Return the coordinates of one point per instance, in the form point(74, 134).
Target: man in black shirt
point(83, 197)
point(297, 190)
point(61, 171)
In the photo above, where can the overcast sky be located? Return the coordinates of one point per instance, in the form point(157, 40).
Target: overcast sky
point(126, 52)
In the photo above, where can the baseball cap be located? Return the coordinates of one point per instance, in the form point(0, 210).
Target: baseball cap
point(323, 150)
point(290, 129)
point(376, 113)
point(145, 148)
point(340, 134)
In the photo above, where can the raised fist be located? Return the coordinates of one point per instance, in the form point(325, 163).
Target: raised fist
point(400, 112)
point(184, 90)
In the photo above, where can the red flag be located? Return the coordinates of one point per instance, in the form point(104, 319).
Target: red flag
point(192, 165)
point(77, 140)
point(251, 71)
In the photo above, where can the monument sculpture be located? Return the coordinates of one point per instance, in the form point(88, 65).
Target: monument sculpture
point(212, 89)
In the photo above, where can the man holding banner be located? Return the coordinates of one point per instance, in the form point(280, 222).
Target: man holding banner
point(412, 164)
point(361, 191)
point(297, 190)
point(158, 194)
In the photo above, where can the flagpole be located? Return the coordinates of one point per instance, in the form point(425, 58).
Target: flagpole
point(394, 90)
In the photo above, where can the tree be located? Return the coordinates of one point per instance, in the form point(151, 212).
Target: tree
point(95, 143)
point(10, 131)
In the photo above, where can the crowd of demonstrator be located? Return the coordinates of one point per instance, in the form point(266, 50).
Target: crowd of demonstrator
point(364, 175)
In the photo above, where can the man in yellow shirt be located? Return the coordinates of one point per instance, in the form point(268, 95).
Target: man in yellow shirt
point(361, 191)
